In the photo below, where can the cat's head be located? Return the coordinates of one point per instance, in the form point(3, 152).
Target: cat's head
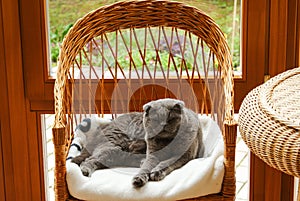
point(162, 117)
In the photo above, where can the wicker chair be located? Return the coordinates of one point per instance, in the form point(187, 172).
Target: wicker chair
point(121, 56)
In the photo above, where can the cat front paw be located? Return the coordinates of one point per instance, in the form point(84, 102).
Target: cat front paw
point(157, 175)
point(86, 171)
point(140, 180)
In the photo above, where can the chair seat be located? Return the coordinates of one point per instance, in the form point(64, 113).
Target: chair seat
point(199, 177)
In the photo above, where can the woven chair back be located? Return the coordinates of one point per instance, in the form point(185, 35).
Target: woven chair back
point(119, 57)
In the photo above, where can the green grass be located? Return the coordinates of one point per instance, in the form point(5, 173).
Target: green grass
point(64, 13)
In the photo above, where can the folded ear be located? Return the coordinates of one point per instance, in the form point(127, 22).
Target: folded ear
point(178, 105)
point(85, 125)
point(180, 102)
point(147, 107)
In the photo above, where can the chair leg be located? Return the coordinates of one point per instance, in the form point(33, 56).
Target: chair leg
point(229, 182)
point(60, 186)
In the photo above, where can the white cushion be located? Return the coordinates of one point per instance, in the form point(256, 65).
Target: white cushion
point(198, 177)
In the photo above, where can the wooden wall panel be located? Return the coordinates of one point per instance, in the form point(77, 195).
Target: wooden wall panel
point(292, 45)
point(17, 162)
point(283, 40)
point(278, 36)
point(2, 84)
point(16, 148)
point(298, 35)
point(6, 149)
point(297, 32)
point(2, 179)
point(272, 182)
point(254, 46)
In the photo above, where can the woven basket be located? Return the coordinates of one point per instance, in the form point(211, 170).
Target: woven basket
point(269, 122)
point(118, 57)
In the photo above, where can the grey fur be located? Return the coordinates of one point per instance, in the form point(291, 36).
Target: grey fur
point(119, 143)
point(173, 137)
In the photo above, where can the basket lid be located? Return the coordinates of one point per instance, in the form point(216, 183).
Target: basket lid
point(280, 98)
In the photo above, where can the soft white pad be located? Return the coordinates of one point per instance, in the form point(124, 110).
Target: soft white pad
point(198, 177)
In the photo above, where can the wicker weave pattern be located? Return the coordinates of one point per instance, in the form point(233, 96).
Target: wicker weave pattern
point(214, 91)
point(132, 14)
point(281, 98)
point(269, 122)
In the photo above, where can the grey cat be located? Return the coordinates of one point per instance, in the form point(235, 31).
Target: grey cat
point(173, 137)
point(119, 143)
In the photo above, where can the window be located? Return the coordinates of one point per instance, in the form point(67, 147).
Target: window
point(62, 16)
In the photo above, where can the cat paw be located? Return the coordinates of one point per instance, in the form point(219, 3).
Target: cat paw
point(86, 171)
point(140, 180)
point(157, 175)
